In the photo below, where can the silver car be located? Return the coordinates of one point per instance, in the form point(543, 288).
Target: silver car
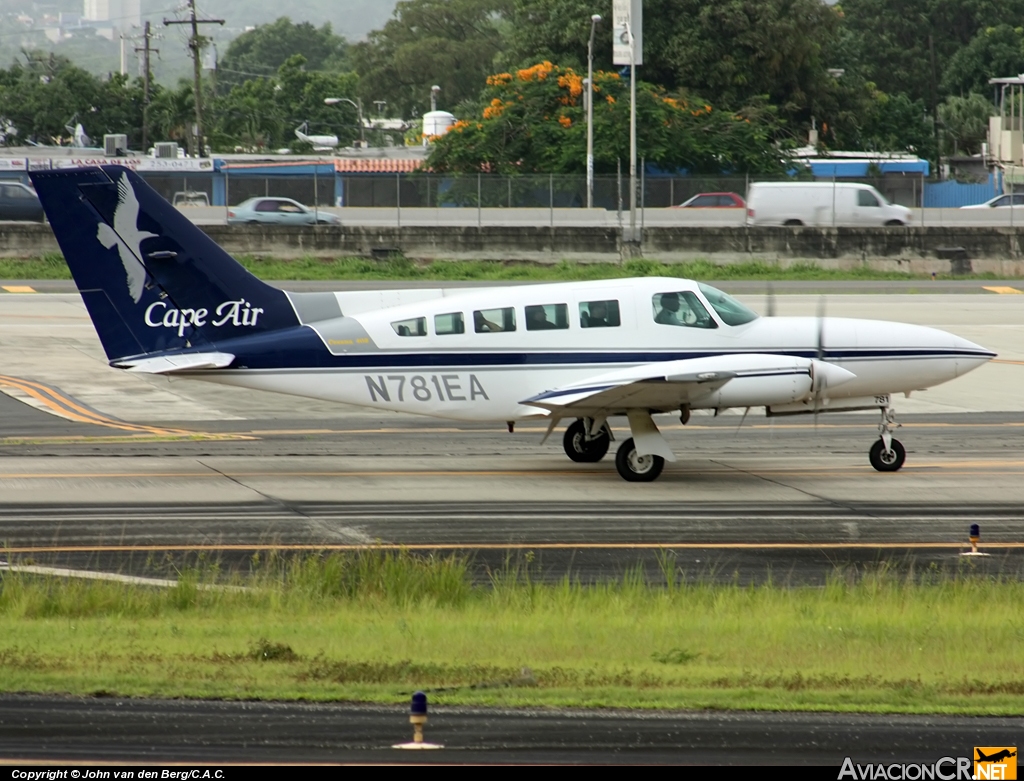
point(278, 211)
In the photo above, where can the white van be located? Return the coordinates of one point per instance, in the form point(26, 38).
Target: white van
point(813, 203)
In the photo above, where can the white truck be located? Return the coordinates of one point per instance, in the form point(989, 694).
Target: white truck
point(822, 205)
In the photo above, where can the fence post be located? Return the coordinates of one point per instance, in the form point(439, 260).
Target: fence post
point(551, 200)
point(227, 199)
point(509, 180)
point(479, 205)
point(398, 198)
point(643, 194)
point(618, 187)
point(316, 193)
point(833, 199)
point(672, 191)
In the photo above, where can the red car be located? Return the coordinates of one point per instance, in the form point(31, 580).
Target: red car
point(713, 201)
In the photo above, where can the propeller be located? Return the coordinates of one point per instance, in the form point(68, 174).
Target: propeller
point(770, 302)
point(819, 378)
point(742, 419)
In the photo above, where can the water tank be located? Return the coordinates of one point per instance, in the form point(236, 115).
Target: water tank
point(436, 123)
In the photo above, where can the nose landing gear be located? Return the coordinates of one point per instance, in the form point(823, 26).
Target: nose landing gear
point(887, 454)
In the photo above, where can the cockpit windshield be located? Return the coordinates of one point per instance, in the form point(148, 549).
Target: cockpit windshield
point(729, 309)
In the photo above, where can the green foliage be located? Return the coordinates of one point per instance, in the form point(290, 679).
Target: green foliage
point(450, 43)
point(732, 52)
point(39, 97)
point(887, 123)
point(995, 52)
point(261, 51)
point(263, 113)
point(965, 122)
point(533, 120)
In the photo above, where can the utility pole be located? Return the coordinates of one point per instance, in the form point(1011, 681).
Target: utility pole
point(147, 36)
point(195, 45)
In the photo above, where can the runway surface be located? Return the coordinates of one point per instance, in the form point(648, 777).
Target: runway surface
point(99, 469)
point(150, 731)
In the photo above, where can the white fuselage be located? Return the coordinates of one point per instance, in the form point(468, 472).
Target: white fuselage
point(485, 376)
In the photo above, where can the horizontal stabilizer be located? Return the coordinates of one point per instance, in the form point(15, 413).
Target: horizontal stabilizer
point(171, 364)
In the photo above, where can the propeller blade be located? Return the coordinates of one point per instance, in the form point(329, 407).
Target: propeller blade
point(770, 303)
point(821, 328)
point(742, 419)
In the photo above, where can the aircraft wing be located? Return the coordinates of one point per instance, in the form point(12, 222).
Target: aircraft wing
point(170, 364)
point(670, 385)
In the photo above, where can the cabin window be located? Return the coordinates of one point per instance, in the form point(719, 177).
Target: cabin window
point(681, 309)
point(599, 314)
point(415, 326)
point(486, 321)
point(451, 323)
point(547, 317)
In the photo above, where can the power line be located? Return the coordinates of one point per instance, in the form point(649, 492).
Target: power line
point(147, 36)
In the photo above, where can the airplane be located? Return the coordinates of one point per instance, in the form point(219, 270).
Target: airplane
point(165, 299)
point(323, 143)
point(999, 755)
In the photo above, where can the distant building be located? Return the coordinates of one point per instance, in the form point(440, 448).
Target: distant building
point(111, 16)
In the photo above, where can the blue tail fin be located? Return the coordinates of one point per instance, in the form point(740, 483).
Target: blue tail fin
point(151, 280)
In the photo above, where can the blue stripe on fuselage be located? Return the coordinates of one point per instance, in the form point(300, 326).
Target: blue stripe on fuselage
point(301, 348)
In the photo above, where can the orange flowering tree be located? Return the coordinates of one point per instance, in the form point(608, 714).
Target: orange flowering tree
point(534, 121)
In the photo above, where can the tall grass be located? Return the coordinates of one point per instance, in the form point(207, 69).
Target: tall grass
point(372, 625)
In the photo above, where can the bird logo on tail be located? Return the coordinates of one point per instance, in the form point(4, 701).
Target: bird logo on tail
point(127, 236)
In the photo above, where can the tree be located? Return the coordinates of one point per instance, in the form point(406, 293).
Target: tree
point(732, 52)
point(261, 51)
point(903, 46)
point(41, 96)
point(450, 43)
point(533, 121)
point(995, 52)
point(263, 113)
point(965, 123)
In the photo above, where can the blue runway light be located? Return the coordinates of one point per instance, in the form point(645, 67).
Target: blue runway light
point(975, 530)
point(419, 704)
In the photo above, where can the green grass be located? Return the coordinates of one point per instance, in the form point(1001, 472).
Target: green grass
point(375, 626)
point(398, 268)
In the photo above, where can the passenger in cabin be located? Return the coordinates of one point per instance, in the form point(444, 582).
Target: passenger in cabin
point(482, 325)
point(598, 316)
point(537, 319)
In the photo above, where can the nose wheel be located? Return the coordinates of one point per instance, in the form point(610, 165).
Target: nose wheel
point(887, 454)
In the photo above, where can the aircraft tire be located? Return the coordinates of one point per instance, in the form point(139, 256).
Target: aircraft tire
point(583, 452)
point(637, 469)
point(887, 462)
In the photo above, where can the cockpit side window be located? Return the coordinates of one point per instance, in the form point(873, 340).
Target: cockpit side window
point(414, 326)
point(681, 309)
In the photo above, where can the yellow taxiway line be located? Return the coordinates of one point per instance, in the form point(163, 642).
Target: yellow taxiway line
point(18, 289)
point(1002, 289)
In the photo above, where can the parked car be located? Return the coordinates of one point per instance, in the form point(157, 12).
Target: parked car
point(999, 202)
point(822, 204)
point(19, 202)
point(191, 198)
point(279, 211)
point(713, 201)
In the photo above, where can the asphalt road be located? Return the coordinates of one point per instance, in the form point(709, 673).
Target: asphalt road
point(154, 731)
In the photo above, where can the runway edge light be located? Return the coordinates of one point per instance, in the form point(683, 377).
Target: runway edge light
point(974, 535)
point(418, 717)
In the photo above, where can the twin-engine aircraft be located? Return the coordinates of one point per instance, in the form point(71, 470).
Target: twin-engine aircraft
point(166, 299)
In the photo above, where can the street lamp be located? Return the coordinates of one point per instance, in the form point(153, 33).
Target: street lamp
point(359, 110)
point(632, 132)
point(590, 111)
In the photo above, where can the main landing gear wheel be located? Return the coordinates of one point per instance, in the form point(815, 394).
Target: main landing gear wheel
point(887, 460)
point(582, 450)
point(636, 468)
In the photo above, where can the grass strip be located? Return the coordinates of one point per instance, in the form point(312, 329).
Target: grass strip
point(377, 625)
point(52, 266)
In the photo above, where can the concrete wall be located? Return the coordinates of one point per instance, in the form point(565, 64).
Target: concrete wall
point(919, 249)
